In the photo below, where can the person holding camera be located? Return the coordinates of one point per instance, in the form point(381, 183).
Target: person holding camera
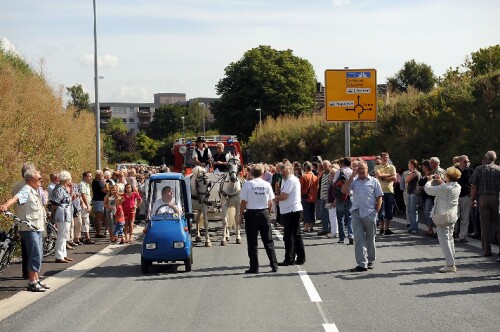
point(445, 212)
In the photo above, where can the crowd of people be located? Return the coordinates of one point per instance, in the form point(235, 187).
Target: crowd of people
point(112, 197)
point(354, 204)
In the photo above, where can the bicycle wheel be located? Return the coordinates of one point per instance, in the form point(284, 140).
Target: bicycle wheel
point(6, 254)
point(49, 242)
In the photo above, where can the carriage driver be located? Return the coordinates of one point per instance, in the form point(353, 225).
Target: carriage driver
point(219, 163)
point(166, 204)
point(202, 154)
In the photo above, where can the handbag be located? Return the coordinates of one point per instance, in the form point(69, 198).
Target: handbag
point(441, 220)
point(306, 195)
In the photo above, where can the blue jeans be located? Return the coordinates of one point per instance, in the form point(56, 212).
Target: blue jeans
point(385, 212)
point(325, 216)
point(344, 218)
point(34, 249)
point(412, 212)
point(365, 229)
point(118, 231)
point(428, 204)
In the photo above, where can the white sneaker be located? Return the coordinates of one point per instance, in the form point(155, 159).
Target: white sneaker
point(448, 268)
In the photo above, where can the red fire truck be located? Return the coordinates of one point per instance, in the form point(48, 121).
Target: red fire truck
point(183, 150)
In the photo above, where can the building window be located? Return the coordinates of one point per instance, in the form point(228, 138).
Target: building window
point(124, 120)
point(131, 110)
point(131, 120)
point(120, 110)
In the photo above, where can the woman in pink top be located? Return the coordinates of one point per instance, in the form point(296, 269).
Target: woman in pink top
point(132, 200)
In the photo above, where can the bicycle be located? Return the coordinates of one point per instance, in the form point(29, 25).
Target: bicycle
point(49, 239)
point(9, 239)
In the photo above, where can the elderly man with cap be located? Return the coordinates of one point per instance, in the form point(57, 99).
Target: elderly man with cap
point(202, 154)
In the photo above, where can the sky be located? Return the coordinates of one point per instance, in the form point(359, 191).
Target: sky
point(183, 46)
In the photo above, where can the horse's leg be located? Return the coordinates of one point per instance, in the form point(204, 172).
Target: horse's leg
point(225, 231)
point(237, 222)
point(197, 220)
point(205, 217)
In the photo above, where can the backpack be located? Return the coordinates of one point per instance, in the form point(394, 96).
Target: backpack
point(337, 188)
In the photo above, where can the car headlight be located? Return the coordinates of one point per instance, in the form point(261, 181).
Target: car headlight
point(151, 245)
point(178, 244)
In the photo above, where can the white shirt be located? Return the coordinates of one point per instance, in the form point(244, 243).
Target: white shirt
point(347, 172)
point(290, 186)
point(165, 208)
point(257, 193)
point(195, 155)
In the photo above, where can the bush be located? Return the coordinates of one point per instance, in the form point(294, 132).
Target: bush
point(35, 127)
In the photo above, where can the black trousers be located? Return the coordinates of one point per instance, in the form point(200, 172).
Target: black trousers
point(294, 245)
point(259, 221)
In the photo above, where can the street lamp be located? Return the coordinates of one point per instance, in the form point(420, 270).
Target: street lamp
point(97, 107)
point(260, 117)
point(183, 133)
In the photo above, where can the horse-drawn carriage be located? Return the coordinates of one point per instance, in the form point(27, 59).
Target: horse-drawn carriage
point(217, 192)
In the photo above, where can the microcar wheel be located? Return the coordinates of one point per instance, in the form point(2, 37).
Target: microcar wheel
point(145, 266)
point(188, 262)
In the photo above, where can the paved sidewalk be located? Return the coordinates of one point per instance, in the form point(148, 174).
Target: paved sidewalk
point(11, 281)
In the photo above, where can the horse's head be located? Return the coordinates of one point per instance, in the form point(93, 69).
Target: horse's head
point(199, 181)
point(233, 167)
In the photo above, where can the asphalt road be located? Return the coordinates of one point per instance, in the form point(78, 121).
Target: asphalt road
point(403, 292)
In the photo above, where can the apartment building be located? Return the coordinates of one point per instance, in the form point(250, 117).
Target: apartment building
point(137, 116)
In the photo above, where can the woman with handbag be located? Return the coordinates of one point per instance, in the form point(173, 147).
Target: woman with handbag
point(445, 212)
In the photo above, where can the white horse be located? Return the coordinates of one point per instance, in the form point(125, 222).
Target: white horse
point(200, 189)
point(229, 191)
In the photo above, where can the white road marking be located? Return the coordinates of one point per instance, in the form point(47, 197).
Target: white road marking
point(330, 328)
point(311, 290)
point(20, 300)
point(278, 234)
point(313, 293)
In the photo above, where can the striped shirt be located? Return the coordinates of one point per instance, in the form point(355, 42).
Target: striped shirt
point(487, 179)
point(325, 183)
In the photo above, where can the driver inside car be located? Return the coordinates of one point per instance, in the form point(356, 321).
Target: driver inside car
point(166, 204)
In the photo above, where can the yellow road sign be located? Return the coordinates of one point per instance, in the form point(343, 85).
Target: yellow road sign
point(351, 95)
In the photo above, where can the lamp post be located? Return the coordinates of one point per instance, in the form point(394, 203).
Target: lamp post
point(97, 107)
point(260, 118)
point(183, 133)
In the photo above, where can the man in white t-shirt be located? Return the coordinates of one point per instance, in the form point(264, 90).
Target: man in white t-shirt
point(256, 198)
point(290, 206)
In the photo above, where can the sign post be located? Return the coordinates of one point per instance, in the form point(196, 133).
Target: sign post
point(351, 96)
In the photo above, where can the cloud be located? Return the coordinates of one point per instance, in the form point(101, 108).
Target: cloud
point(103, 61)
point(341, 3)
point(132, 94)
point(7, 46)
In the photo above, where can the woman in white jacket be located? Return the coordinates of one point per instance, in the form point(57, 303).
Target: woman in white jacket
point(445, 212)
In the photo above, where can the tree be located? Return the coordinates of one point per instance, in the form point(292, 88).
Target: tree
point(418, 75)
point(79, 99)
point(167, 120)
point(119, 142)
point(277, 82)
point(147, 146)
point(483, 61)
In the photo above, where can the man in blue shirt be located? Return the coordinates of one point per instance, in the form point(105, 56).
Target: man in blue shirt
point(366, 202)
